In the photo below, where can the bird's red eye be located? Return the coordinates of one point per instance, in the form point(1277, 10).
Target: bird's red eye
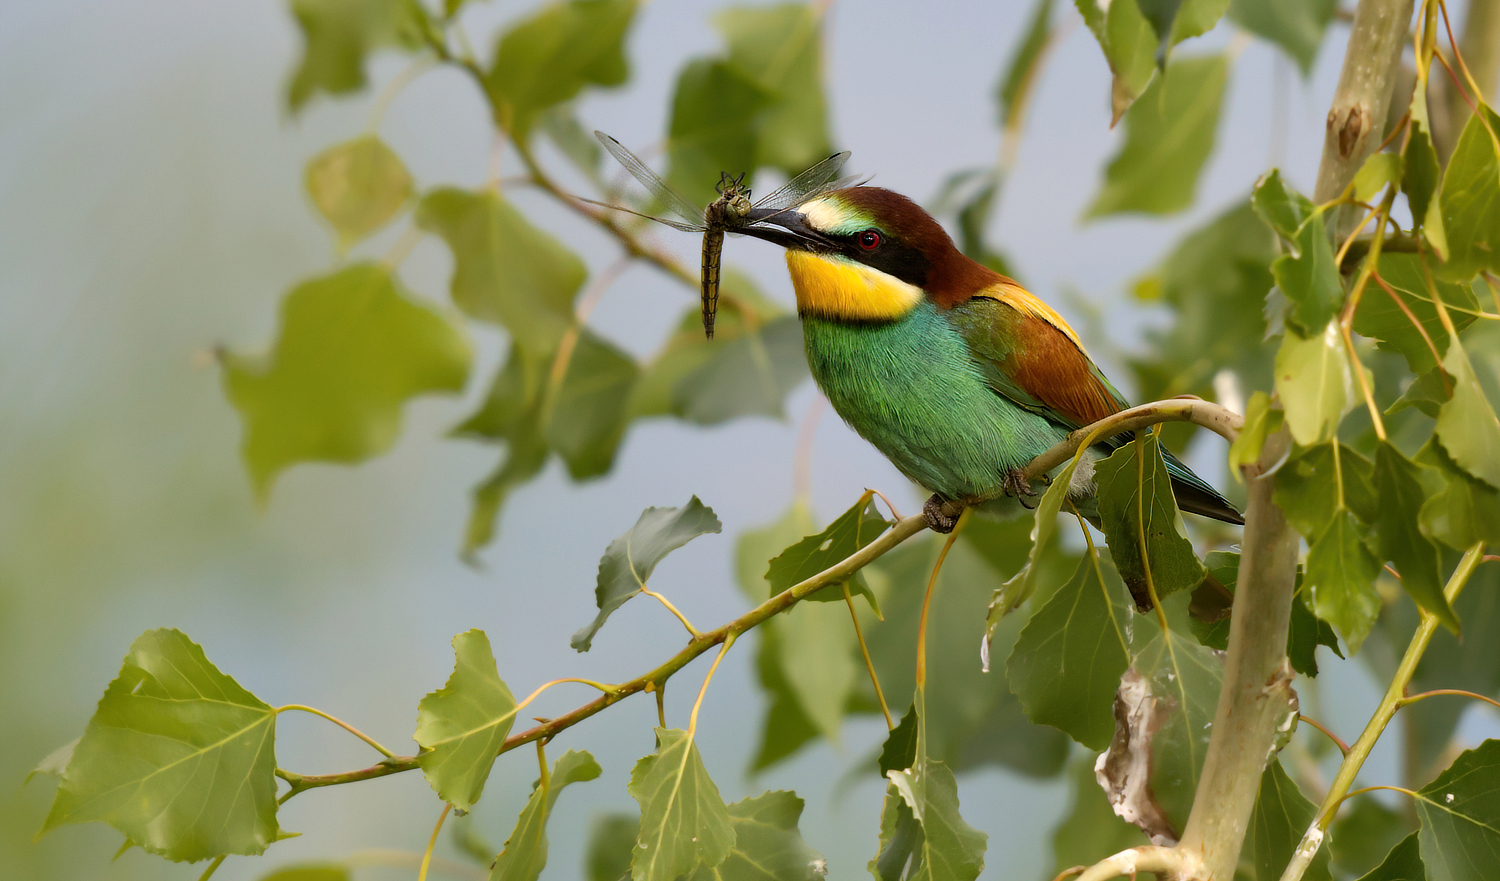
point(869, 240)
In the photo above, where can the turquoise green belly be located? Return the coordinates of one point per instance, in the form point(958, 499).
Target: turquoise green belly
point(910, 388)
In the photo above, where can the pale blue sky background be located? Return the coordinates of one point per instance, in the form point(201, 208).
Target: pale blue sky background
point(151, 207)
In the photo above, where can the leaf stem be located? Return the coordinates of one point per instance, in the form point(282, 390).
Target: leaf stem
point(865, 651)
point(1337, 741)
point(921, 670)
point(703, 690)
point(339, 722)
point(1391, 702)
point(213, 867)
point(1411, 699)
point(1346, 320)
point(432, 842)
point(695, 632)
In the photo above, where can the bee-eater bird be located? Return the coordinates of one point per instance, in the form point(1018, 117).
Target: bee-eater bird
point(956, 373)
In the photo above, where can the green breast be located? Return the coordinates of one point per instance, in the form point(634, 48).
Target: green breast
point(911, 388)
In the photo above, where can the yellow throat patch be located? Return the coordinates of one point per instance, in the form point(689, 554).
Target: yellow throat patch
point(832, 287)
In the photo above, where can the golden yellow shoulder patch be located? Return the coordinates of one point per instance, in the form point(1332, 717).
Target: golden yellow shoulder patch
point(833, 287)
point(1027, 303)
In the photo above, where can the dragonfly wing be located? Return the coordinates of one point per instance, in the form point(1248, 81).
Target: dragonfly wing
point(653, 182)
point(809, 183)
point(685, 227)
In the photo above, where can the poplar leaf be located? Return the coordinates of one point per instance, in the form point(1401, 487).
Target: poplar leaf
point(1363, 834)
point(1310, 491)
point(358, 186)
point(1460, 840)
point(1020, 586)
point(589, 413)
point(629, 560)
point(462, 725)
point(751, 374)
point(55, 762)
point(1282, 813)
point(1426, 394)
point(1021, 73)
point(1466, 425)
point(920, 827)
point(1379, 171)
point(1313, 381)
point(1129, 47)
point(767, 843)
point(1470, 201)
point(1135, 501)
point(1400, 539)
point(353, 348)
point(611, 845)
point(339, 35)
point(525, 853)
point(1466, 511)
point(549, 57)
point(505, 270)
point(1169, 134)
point(779, 48)
point(1283, 209)
point(1403, 863)
point(177, 757)
point(1296, 26)
point(1341, 573)
point(1067, 662)
point(786, 727)
point(716, 107)
point(899, 751)
point(684, 823)
point(1260, 423)
point(1309, 279)
point(817, 658)
point(1382, 318)
point(853, 529)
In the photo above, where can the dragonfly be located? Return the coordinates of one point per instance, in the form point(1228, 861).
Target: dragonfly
point(730, 212)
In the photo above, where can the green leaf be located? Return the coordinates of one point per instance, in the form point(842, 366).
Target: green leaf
point(338, 35)
point(353, 348)
point(1260, 423)
point(55, 762)
point(853, 529)
point(574, 141)
point(1466, 425)
point(715, 110)
point(1313, 381)
point(779, 48)
point(756, 547)
point(1309, 279)
point(1421, 172)
point(1296, 26)
point(1282, 208)
point(767, 844)
point(177, 757)
point(1364, 831)
point(1129, 48)
point(1020, 586)
point(1403, 863)
point(899, 751)
point(1282, 813)
point(505, 270)
point(1135, 504)
point(1380, 317)
point(462, 725)
point(1021, 74)
point(684, 823)
point(1466, 511)
point(1305, 633)
point(525, 853)
point(1168, 136)
point(611, 845)
point(1315, 484)
point(1090, 830)
point(786, 727)
point(1400, 540)
point(1379, 171)
point(942, 846)
point(817, 659)
point(1470, 201)
point(524, 459)
point(358, 186)
point(629, 560)
point(749, 375)
point(1341, 574)
point(1460, 835)
point(1167, 699)
point(1427, 393)
point(1067, 662)
point(551, 56)
point(310, 872)
point(590, 412)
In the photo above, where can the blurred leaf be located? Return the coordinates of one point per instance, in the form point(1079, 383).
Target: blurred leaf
point(853, 529)
point(1129, 48)
point(1296, 26)
point(716, 110)
point(574, 141)
point(629, 560)
point(1458, 810)
point(1025, 64)
point(1067, 662)
point(1282, 813)
point(468, 841)
point(1466, 425)
point(684, 823)
point(524, 459)
point(1315, 484)
point(549, 57)
point(817, 657)
point(310, 872)
point(1427, 393)
point(900, 748)
point(1090, 830)
point(1168, 136)
point(339, 34)
point(748, 375)
point(177, 757)
point(611, 845)
point(590, 411)
point(55, 762)
point(358, 186)
point(1282, 208)
point(1403, 863)
point(786, 728)
point(1309, 279)
point(767, 843)
point(779, 48)
point(1260, 422)
point(505, 270)
point(1379, 171)
point(1470, 201)
point(1399, 538)
point(1466, 511)
point(1364, 831)
point(757, 547)
point(1176, 20)
point(525, 853)
point(1304, 634)
point(1313, 381)
point(1136, 505)
point(462, 725)
point(940, 845)
point(1380, 317)
point(353, 349)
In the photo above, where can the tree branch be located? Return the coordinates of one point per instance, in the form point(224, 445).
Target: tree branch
point(1168, 862)
point(1221, 420)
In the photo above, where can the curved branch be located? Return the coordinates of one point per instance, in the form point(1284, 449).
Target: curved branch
point(1221, 420)
point(1169, 862)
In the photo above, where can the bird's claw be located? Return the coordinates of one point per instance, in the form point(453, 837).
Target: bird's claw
point(941, 515)
point(1015, 483)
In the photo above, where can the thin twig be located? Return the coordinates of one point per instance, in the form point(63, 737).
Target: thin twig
point(432, 842)
point(339, 722)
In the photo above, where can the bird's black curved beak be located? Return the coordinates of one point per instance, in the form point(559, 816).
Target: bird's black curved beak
point(786, 227)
